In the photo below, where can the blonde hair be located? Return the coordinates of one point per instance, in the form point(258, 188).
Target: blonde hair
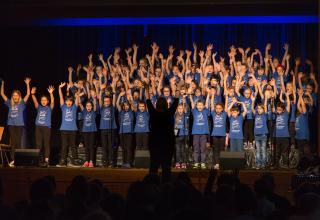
point(11, 100)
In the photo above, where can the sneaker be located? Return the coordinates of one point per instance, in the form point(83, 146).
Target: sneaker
point(203, 166)
point(177, 166)
point(195, 165)
point(73, 164)
point(11, 164)
point(61, 164)
point(183, 166)
point(44, 164)
point(126, 166)
point(91, 164)
point(86, 164)
point(216, 167)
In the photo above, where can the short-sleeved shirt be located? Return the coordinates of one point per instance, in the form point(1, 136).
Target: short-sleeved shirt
point(69, 118)
point(15, 114)
point(200, 121)
point(43, 116)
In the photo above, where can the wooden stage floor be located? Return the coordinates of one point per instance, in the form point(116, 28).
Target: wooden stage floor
point(18, 180)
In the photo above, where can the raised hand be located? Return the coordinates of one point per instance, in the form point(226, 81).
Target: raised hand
point(194, 46)
point(70, 69)
point(209, 47)
point(286, 46)
point(241, 50)
point(117, 50)
point(201, 53)
point(247, 50)
point(297, 61)
point(135, 47)
point(90, 56)
point(62, 85)
point(33, 90)
point(308, 62)
point(101, 57)
point(50, 89)
point(160, 56)
point(171, 49)
point(122, 93)
point(268, 46)
point(128, 51)
point(27, 80)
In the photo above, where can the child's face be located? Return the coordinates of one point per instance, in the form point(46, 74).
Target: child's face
point(260, 72)
point(89, 107)
point(180, 109)
point(182, 92)
point(166, 92)
point(44, 101)
point(213, 82)
point(69, 103)
point(106, 102)
point(80, 83)
point(15, 97)
point(247, 93)
point(93, 93)
point(142, 107)
point(200, 106)
point(198, 92)
point(234, 113)
point(260, 110)
point(289, 87)
point(275, 62)
point(219, 109)
point(175, 70)
point(126, 107)
point(279, 110)
point(250, 82)
point(279, 69)
point(309, 89)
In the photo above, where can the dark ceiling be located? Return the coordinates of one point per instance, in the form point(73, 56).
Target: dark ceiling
point(17, 11)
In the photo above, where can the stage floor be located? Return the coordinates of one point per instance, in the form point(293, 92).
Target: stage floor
point(18, 180)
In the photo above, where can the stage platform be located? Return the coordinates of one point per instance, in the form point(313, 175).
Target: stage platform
point(18, 180)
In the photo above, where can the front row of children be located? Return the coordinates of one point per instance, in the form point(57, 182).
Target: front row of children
point(136, 120)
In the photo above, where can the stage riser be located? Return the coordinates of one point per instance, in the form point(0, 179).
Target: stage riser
point(18, 180)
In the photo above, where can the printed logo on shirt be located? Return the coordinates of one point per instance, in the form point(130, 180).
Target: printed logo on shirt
point(106, 114)
point(69, 115)
point(280, 123)
point(297, 125)
point(235, 126)
point(140, 121)
point(126, 119)
point(14, 111)
point(42, 117)
point(88, 120)
point(200, 119)
point(218, 121)
point(258, 122)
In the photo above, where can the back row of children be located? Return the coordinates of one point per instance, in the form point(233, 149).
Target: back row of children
point(247, 103)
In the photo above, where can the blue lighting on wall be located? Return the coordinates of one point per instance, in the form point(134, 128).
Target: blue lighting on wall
point(177, 20)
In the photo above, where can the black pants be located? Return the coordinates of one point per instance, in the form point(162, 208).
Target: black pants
point(248, 130)
point(68, 141)
point(218, 146)
point(43, 134)
point(181, 151)
point(161, 157)
point(79, 137)
point(292, 132)
point(270, 129)
point(301, 145)
point(89, 139)
point(127, 148)
point(282, 144)
point(109, 148)
point(15, 137)
point(142, 141)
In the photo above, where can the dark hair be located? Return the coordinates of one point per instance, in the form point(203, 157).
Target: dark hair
point(70, 98)
point(220, 103)
point(280, 105)
point(162, 104)
point(235, 108)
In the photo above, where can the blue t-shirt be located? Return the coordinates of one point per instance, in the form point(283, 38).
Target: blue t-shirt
point(89, 121)
point(142, 122)
point(200, 121)
point(15, 114)
point(293, 109)
point(248, 103)
point(126, 122)
point(107, 119)
point(182, 124)
point(281, 129)
point(43, 116)
point(260, 124)
point(219, 124)
point(260, 78)
point(236, 127)
point(302, 127)
point(69, 117)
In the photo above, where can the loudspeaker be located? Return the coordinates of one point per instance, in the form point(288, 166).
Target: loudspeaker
point(26, 157)
point(142, 159)
point(232, 160)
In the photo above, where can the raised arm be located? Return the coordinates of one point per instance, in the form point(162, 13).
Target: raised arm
point(288, 103)
point(207, 100)
point(5, 98)
point(27, 81)
point(51, 90)
point(134, 56)
point(191, 101)
point(70, 71)
point(212, 103)
point(61, 94)
point(244, 113)
point(286, 50)
point(195, 53)
point(313, 78)
point(34, 98)
point(118, 100)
